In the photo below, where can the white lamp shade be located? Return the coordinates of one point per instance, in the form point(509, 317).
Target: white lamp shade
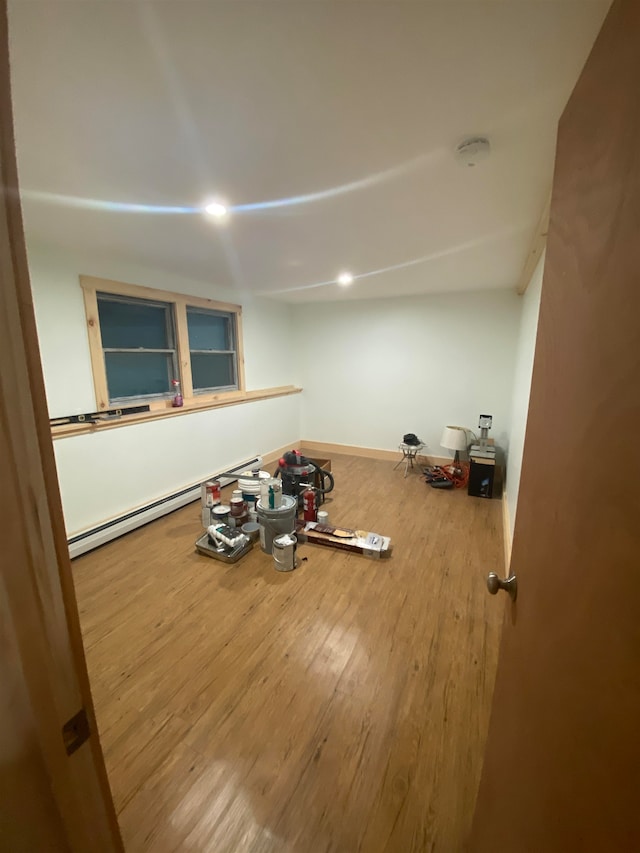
point(454, 438)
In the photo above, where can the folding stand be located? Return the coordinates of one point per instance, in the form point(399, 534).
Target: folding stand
point(409, 453)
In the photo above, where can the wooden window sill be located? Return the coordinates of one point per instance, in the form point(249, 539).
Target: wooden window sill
point(164, 409)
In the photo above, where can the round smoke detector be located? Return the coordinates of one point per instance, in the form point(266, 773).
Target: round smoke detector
point(471, 151)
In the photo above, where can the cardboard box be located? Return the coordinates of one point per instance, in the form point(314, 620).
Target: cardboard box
point(322, 463)
point(372, 545)
point(325, 464)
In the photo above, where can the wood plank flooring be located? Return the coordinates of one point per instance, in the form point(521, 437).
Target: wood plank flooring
point(339, 708)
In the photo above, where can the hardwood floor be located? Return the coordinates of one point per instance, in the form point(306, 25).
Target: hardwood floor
point(341, 707)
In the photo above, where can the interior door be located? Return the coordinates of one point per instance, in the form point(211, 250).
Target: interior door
point(562, 764)
point(54, 794)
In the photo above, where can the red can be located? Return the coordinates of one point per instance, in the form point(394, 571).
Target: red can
point(238, 507)
point(309, 504)
point(211, 493)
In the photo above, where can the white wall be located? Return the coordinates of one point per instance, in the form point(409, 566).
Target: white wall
point(103, 475)
point(62, 335)
point(522, 386)
point(374, 370)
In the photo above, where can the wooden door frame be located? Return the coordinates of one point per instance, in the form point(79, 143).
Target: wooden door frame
point(36, 570)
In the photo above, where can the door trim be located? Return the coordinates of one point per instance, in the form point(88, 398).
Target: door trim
point(36, 570)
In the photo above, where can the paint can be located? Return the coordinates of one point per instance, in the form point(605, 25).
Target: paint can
point(323, 516)
point(210, 493)
point(238, 520)
point(250, 501)
point(284, 552)
point(237, 506)
point(275, 522)
point(220, 514)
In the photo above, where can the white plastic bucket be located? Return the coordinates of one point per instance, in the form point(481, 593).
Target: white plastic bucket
point(275, 522)
point(251, 488)
point(248, 483)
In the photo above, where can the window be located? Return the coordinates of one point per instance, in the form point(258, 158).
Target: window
point(138, 342)
point(212, 349)
point(141, 339)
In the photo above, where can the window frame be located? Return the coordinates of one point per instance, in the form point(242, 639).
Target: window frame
point(171, 351)
point(233, 351)
point(179, 303)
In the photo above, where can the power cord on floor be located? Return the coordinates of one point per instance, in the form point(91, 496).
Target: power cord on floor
point(456, 474)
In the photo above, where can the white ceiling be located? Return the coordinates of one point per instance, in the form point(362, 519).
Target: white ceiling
point(170, 103)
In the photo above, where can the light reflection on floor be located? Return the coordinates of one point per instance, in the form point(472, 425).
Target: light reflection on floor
point(225, 819)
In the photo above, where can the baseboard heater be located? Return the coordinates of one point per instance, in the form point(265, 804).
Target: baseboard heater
point(95, 536)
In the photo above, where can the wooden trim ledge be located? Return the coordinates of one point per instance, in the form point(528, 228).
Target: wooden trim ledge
point(167, 411)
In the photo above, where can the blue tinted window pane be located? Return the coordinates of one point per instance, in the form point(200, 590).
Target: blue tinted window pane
point(132, 374)
point(129, 325)
point(212, 371)
point(208, 331)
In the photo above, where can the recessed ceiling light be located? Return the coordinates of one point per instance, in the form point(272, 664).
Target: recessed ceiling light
point(217, 209)
point(345, 279)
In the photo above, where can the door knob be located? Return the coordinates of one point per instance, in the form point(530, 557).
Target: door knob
point(510, 585)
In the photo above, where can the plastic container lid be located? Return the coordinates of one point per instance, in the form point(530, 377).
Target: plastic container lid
point(252, 487)
point(251, 529)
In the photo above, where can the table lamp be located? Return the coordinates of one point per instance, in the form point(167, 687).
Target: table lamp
point(454, 438)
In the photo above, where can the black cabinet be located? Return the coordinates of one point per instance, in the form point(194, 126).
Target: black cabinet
point(485, 476)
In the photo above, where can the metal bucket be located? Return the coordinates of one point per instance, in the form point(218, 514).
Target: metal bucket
point(275, 522)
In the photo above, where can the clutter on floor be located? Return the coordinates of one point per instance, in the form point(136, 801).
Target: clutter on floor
point(266, 508)
point(436, 477)
point(479, 473)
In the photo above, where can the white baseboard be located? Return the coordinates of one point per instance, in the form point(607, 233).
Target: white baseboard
point(85, 540)
point(326, 449)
